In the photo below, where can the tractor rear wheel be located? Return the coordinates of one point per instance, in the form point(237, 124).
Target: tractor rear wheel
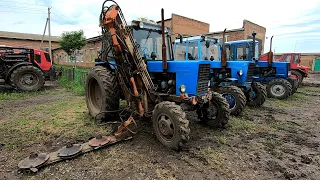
point(170, 125)
point(215, 112)
point(279, 88)
point(27, 78)
point(297, 75)
point(102, 93)
point(257, 95)
point(235, 97)
point(294, 83)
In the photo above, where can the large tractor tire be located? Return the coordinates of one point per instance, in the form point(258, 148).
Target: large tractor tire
point(102, 94)
point(216, 112)
point(27, 78)
point(170, 125)
point(235, 97)
point(257, 95)
point(294, 83)
point(279, 89)
point(296, 74)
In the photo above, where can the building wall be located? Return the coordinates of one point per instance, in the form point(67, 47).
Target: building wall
point(84, 57)
point(249, 27)
point(27, 43)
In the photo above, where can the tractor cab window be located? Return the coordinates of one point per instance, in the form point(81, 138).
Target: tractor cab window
point(150, 42)
point(210, 53)
point(47, 56)
point(229, 52)
point(242, 52)
point(287, 58)
point(296, 59)
point(257, 53)
point(180, 51)
point(192, 51)
point(38, 58)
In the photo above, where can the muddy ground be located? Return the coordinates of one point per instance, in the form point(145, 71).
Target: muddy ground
point(278, 141)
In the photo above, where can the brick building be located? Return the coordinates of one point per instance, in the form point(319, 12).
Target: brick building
point(85, 57)
point(185, 26)
point(243, 33)
point(27, 40)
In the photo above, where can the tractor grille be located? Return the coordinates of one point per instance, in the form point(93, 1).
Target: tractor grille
point(203, 78)
point(250, 71)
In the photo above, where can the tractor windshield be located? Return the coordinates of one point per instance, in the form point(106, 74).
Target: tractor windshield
point(150, 43)
point(210, 53)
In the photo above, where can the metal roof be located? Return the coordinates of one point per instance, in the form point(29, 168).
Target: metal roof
point(26, 36)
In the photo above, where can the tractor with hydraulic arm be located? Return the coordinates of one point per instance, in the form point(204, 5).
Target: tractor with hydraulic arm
point(276, 75)
point(136, 63)
point(233, 79)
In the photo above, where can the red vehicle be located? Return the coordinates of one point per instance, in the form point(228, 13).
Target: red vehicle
point(25, 69)
point(297, 71)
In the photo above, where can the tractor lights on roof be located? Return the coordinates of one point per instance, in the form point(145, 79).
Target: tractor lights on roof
point(182, 88)
point(240, 72)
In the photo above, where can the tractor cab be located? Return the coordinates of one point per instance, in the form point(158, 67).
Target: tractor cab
point(199, 48)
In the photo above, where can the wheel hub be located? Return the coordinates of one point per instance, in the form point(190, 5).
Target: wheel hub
point(278, 90)
point(230, 99)
point(166, 127)
point(29, 79)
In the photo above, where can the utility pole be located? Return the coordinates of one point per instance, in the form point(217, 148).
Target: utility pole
point(44, 32)
point(49, 28)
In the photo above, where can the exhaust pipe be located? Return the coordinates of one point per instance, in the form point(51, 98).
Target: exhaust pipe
point(270, 53)
point(164, 48)
point(224, 52)
point(254, 45)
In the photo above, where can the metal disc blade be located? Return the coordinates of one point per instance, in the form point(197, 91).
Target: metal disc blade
point(99, 141)
point(70, 150)
point(33, 161)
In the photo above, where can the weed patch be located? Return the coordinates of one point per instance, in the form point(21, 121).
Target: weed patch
point(74, 87)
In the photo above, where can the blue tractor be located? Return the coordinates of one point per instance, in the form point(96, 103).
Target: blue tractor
point(232, 79)
point(136, 64)
point(276, 75)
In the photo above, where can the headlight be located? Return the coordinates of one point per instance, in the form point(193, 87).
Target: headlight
point(182, 88)
point(240, 72)
point(289, 73)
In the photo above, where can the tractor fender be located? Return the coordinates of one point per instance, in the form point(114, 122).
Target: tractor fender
point(302, 71)
point(14, 67)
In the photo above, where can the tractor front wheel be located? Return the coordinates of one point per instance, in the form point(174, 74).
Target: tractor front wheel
point(279, 89)
point(170, 125)
point(256, 96)
point(102, 93)
point(27, 78)
point(215, 112)
point(235, 97)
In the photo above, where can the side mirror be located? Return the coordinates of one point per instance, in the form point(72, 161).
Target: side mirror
point(207, 44)
point(203, 38)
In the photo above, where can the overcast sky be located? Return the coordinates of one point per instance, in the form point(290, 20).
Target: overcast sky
point(295, 25)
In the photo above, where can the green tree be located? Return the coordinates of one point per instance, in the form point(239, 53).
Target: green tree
point(71, 41)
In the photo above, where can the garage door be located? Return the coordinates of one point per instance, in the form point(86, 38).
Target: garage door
point(317, 65)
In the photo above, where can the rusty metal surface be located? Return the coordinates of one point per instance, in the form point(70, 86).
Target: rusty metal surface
point(69, 150)
point(99, 141)
point(33, 161)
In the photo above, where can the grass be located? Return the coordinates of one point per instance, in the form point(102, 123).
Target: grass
point(285, 126)
point(74, 87)
point(16, 95)
point(240, 124)
point(66, 119)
